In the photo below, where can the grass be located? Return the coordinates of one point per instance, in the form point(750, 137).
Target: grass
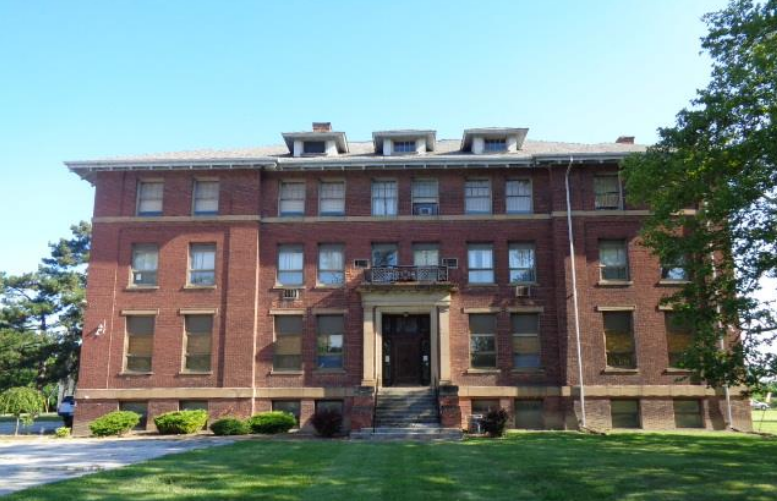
point(765, 421)
point(523, 466)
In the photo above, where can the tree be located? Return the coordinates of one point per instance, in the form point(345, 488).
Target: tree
point(720, 157)
point(23, 403)
point(41, 315)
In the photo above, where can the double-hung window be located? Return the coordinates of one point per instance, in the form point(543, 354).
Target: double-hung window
point(426, 255)
point(330, 337)
point(292, 199)
point(206, 198)
point(140, 343)
point(619, 339)
point(202, 264)
point(477, 196)
point(145, 262)
point(332, 198)
point(625, 413)
point(674, 272)
point(526, 340)
point(425, 197)
point(287, 352)
point(150, 198)
point(384, 255)
point(384, 198)
point(480, 263)
point(518, 196)
point(290, 265)
point(679, 338)
point(607, 192)
point(482, 335)
point(199, 329)
point(688, 414)
point(331, 264)
point(522, 266)
point(613, 260)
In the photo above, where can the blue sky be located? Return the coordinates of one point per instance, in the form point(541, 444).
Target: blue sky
point(80, 80)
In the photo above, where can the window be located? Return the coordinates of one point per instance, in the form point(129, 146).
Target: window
point(493, 145)
point(480, 261)
point(194, 405)
point(518, 195)
point(687, 414)
point(528, 415)
point(613, 260)
point(404, 147)
point(426, 255)
point(292, 200)
point(522, 263)
point(477, 197)
point(139, 408)
point(150, 198)
point(145, 262)
point(202, 264)
point(483, 407)
point(331, 265)
point(140, 343)
point(526, 340)
point(314, 147)
point(674, 272)
point(384, 198)
point(332, 198)
point(287, 353)
point(425, 202)
point(625, 413)
point(384, 255)
point(607, 192)
point(288, 406)
point(329, 405)
point(619, 338)
point(678, 338)
point(331, 332)
point(482, 332)
point(290, 265)
point(206, 198)
point(199, 330)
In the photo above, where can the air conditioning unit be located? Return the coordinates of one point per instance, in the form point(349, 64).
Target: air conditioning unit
point(290, 294)
point(451, 263)
point(425, 211)
point(523, 291)
point(361, 263)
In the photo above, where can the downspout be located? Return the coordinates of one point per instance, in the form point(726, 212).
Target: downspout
point(574, 297)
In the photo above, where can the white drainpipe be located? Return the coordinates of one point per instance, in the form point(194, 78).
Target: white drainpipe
point(574, 299)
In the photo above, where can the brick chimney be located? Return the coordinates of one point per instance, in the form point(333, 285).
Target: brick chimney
point(324, 127)
point(625, 140)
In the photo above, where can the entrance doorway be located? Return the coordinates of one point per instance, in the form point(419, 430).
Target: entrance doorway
point(407, 357)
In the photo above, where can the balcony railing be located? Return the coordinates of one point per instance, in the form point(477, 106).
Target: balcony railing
point(395, 274)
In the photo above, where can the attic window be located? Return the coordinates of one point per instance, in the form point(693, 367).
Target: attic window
point(314, 147)
point(404, 146)
point(494, 145)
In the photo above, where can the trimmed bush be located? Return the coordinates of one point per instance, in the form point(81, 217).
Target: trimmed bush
point(62, 432)
point(269, 423)
point(230, 426)
point(181, 422)
point(495, 422)
point(327, 422)
point(114, 423)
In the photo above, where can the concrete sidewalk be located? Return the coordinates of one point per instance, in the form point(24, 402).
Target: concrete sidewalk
point(33, 461)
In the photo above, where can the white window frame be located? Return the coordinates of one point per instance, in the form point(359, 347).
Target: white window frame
point(417, 199)
point(191, 269)
point(410, 143)
point(494, 140)
point(196, 198)
point(139, 199)
point(517, 246)
point(295, 249)
point(536, 335)
point(611, 244)
point(468, 197)
point(508, 197)
point(471, 269)
point(137, 249)
point(341, 271)
point(375, 198)
point(322, 198)
point(282, 199)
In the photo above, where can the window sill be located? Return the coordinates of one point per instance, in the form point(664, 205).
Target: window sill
point(533, 284)
point(482, 285)
point(673, 283)
point(195, 373)
point(678, 371)
point(615, 283)
point(614, 370)
point(141, 288)
point(329, 371)
point(537, 370)
point(131, 374)
point(286, 373)
point(199, 287)
point(280, 287)
point(328, 287)
point(483, 371)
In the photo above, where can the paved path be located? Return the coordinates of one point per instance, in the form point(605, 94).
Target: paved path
point(28, 462)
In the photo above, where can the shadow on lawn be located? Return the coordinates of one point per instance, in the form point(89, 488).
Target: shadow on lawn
point(543, 466)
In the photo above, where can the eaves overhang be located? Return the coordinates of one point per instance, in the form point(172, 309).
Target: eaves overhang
point(341, 141)
point(404, 135)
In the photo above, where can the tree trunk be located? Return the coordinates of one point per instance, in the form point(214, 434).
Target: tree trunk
point(16, 431)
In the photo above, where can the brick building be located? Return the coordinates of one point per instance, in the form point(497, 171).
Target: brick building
point(328, 273)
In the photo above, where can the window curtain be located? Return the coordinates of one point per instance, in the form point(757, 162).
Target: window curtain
point(384, 198)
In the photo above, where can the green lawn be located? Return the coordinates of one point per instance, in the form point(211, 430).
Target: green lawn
point(765, 421)
point(525, 466)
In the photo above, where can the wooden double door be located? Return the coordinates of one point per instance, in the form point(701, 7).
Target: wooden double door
point(407, 357)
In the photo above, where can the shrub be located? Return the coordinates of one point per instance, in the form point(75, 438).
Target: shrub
point(181, 422)
point(230, 426)
point(327, 422)
point(114, 423)
point(62, 432)
point(495, 422)
point(268, 423)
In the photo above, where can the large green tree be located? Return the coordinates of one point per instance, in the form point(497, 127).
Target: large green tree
point(720, 157)
point(41, 315)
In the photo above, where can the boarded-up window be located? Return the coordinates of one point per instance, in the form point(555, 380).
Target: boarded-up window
point(199, 329)
point(482, 328)
point(526, 340)
point(288, 343)
point(139, 408)
point(619, 338)
point(625, 413)
point(687, 414)
point(140, 343)
point(678, 338)
point(483, 407)
point(607, 192)
point(288, 406)
point(528, 415)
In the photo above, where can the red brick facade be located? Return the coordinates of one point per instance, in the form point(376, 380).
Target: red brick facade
point(247, 233)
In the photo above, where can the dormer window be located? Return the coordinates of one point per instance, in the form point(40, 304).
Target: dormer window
point(404, 142)
point(404, 147)
point(494, 145)
point(314, 147)
point(322, 140)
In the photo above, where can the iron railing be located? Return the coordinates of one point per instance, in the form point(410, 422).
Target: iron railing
point(394, 274)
